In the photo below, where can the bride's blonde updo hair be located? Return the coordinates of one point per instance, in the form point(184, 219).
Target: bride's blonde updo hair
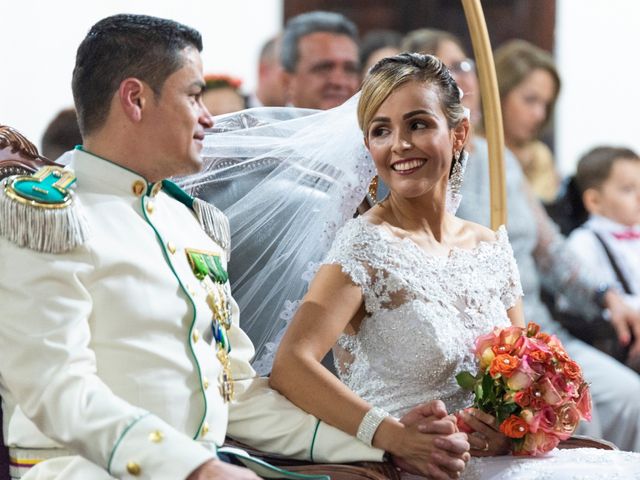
point(392, 72)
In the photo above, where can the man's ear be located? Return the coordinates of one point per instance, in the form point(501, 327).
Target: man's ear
point(132, 96)
point(591, 200)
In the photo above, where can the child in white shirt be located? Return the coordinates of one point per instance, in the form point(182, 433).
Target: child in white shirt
point(609, 242)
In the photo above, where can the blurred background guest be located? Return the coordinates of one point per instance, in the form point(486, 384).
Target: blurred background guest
point(609, 242)
point(321, 60)
point(529, 85)
point(450, 50)
point(270, 91)
point(222, 94)
point(61, 135)
point(376, 45)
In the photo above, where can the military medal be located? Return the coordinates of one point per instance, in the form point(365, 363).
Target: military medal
point(207, 267)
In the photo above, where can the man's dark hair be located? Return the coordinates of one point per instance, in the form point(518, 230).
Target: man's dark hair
point(308, 23)
point(61, 135)
point(123, 46)
point(595, 166)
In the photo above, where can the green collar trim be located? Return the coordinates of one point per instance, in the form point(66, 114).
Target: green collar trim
point(176, 192)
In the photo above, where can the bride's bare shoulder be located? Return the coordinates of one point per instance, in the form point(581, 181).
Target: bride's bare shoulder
point(476, 233)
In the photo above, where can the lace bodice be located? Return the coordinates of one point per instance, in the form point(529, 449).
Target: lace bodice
point(423, 313)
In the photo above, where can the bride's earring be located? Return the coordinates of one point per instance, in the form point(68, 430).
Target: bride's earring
point(372, 192)
point(455, 179)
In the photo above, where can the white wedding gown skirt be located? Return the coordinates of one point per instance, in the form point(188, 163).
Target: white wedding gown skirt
point(423, 316)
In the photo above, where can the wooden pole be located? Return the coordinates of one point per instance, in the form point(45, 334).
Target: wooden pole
point(491, 111)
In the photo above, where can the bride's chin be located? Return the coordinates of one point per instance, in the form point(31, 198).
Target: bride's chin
point(409, 192)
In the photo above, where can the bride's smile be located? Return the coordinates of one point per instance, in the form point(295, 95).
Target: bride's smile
point(409, 166)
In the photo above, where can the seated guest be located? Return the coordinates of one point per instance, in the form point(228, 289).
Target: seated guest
point(121, 351)
point(609, 242)
point(529, 85)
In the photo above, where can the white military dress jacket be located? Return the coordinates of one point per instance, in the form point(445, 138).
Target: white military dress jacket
point(106, 350)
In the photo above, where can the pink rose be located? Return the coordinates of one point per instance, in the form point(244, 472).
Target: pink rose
point(568, 419)
point(548, 443)
point(546, 419)
point(555, 343)
point(583, 403)
point(537, 444)
point(510, 335)
point(549, 393)
point(567, 388)
point(483, 351)
point(531, 419)
point(524, 375)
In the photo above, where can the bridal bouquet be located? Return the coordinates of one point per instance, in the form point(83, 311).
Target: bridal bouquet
point(529, 383)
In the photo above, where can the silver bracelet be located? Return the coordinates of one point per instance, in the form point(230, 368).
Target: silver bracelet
point(369, 424)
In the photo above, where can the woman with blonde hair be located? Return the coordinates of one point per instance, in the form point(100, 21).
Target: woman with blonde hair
point(529, 85)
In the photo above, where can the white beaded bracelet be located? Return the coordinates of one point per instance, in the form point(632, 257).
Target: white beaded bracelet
point(369, 424)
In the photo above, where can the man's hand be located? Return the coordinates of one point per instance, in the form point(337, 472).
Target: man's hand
point(217, 470)
point(624, 320)
point(444, 451)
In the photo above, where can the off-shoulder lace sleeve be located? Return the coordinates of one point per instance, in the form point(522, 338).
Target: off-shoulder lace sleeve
point(559, 268)
point(512, 288)
point(349, 250)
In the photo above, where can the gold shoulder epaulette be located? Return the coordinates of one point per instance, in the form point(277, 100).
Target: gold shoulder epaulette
point(39, 212)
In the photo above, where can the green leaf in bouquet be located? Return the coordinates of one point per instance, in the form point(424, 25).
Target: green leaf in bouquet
point(487, 388)
point(504, 410)
point(466, 381)
point(479, 393)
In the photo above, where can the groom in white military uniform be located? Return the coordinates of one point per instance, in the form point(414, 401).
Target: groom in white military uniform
point(121, 354)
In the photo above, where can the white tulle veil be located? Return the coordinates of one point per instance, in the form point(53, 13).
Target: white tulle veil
point(287, 179)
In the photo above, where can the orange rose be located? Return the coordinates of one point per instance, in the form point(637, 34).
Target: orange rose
point(501, 349)
point(539, 356)
point(561, 355)
point(572, 370)
point(504, 365)
point(532, 329)
point(514, 427)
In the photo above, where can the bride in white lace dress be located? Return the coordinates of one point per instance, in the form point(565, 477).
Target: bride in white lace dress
point(406, 289)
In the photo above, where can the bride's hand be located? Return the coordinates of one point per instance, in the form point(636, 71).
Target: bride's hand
point(430, 444)
point(486, 440)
